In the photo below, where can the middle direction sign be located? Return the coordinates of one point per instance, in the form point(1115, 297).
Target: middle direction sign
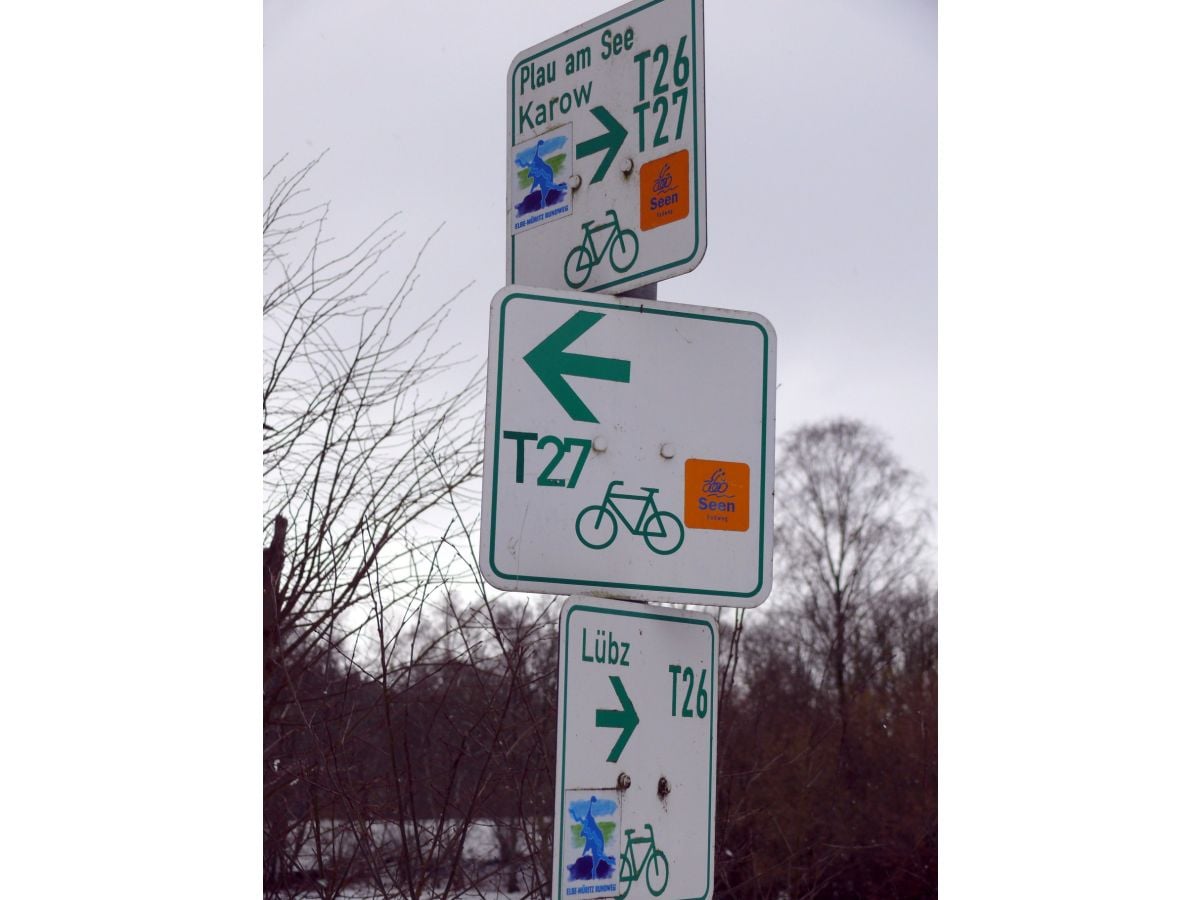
point(605, 151)
point(629, 449)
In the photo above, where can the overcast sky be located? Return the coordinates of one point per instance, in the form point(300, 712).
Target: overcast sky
point(1069, 190)
point(821, 162)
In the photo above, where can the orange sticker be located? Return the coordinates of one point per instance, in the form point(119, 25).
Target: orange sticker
point(716, 494)
point(664, 184)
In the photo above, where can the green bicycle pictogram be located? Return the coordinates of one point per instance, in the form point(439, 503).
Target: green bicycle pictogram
point(596, 525)
point(654, 864)
point(621, 247)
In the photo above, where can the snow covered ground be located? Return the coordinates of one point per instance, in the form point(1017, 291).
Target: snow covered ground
point(371, 894)
point(482, 871)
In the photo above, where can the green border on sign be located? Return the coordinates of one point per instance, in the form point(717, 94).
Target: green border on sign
point(512, 134)
point(765, 498)
point(562, 721)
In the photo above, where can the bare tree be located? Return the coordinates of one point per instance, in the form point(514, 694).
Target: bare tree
point(370, 424)
point(849, 529)
point(408, 713)
point(828, 746)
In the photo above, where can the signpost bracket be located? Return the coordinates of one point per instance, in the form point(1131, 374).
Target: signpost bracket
point(645, 292)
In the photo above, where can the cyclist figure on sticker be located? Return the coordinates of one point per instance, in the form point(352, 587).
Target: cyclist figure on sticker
point(546, 191)
point(716, 483)
point(542, 174)
point(593, 837)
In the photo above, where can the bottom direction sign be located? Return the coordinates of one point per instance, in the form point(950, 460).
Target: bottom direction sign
point(635, 796)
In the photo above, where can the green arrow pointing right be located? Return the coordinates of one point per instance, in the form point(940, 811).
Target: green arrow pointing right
point(610, 140)
point(625, 718)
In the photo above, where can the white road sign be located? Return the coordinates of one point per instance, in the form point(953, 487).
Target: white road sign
point(629, 449)
point(605, 151)
point(637, 756)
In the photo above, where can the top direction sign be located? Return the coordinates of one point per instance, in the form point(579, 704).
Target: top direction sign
point(605, 151)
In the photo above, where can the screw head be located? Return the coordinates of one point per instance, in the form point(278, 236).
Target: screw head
point(626, 166)
point(664, 787)
point(575, 181)
point(667, 451)
point(623, 782)
point(599, 444)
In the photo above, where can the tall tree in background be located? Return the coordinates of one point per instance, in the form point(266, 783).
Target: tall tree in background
point(828, 745)
point(850, 534)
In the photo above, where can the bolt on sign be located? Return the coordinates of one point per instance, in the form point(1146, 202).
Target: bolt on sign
point(637, 755)
point(629, 449)
point(605, 152)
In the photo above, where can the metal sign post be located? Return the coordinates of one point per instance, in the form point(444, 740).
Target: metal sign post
point(629, 449)
point(635, 796)
point(605, 151)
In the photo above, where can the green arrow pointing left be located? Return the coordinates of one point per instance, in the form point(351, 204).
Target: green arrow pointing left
point(610, 141)
point(550, 362)
point(625, 718)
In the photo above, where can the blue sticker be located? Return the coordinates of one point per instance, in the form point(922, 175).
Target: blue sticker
point(542, 169)
point(591, 845)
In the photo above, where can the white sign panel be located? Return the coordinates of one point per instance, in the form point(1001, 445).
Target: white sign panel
point(637, 756)
point(629, 449)
point(605, 151)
